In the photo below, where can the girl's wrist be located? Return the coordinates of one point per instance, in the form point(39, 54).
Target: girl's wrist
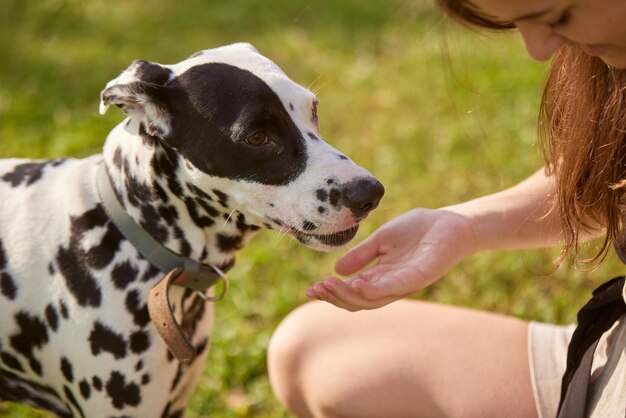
point(484, 227)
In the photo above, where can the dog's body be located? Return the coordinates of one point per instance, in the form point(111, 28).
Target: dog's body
point(214, 148)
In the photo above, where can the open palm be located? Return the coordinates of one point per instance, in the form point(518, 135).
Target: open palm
point(413, 250)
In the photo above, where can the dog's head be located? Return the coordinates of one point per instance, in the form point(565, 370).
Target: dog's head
point(244, 129)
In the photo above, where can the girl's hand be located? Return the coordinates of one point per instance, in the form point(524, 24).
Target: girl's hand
point(413, 250)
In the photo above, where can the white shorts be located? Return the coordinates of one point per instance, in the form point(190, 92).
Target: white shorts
point(547, 353)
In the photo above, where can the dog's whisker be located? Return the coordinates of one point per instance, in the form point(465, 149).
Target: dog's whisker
point(228, 218)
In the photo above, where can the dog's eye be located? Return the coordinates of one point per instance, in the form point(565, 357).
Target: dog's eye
point(257, 139)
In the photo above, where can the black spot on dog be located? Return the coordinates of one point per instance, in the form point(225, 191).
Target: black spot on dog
point(229, 243)
point(177, 377)
point(335, 197)
point(139, 342)
point(242, 226)
point(145, 379)
point(168, 213)
point(342, 157)
point(122, 394)
point(184, 246)
point(117, 158)
point(321, 209)
point(291, 107)
point(221, 197)
point(97, 383)
point(201, 221)
point(73, 261)
point(160, 193)
point(29, 173)
point(210, 210)
point(140, 314)
point(7, 286)
point(85, 389)
point(67, 370)
point(32, 335)
point(35, 366)
point(72, 399)
point(104, 339)
point(101, 255)
point(64, 312)
point(137, 192)
point(139, 365)
point(201, 347)
point(312, 136)
point(165, 164)
point(151, 223)
point(52, 317)
point(51, 269)
point(321, 194)
point(166, 411)
point(3, 257)
point(124, 274)
point(308, 226)
point(11, 361)
point(150, 273)
point(78, 278)
point(198, 192)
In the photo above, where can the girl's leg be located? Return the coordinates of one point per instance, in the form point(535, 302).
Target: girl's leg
point(408, 359)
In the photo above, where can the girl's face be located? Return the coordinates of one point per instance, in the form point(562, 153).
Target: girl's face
point(597, 26)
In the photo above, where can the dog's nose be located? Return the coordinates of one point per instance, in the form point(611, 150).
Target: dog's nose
point(362, 195)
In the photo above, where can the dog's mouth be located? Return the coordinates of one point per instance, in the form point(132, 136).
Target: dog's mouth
point(333, 239)
point(336, 239)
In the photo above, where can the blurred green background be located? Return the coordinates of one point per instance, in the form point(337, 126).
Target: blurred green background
point(438, 113)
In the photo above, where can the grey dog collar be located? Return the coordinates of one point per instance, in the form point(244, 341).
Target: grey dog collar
point(196, 276)
point(180, 271)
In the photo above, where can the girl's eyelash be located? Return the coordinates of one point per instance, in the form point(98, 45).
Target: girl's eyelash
point(562, 20)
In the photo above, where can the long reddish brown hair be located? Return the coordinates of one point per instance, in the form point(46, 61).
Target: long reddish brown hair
point(582, 125)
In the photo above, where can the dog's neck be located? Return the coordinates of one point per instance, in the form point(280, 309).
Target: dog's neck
point(147, 177)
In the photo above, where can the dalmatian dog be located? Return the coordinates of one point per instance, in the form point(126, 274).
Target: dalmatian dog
point(213, 149)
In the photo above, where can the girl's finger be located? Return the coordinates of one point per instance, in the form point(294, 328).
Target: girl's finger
point(358, 257)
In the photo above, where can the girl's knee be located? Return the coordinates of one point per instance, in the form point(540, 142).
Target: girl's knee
point(288, 356)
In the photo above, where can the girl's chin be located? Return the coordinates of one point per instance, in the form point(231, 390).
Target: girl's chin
point(617, 61)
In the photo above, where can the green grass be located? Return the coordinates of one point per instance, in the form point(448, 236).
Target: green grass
point(439, 114)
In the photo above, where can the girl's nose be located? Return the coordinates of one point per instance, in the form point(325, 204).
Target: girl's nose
point(540, 39)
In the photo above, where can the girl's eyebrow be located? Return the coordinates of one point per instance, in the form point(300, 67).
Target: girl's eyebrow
point(532, 15)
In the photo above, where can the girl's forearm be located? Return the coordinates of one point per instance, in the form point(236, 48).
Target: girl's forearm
point(516, 218)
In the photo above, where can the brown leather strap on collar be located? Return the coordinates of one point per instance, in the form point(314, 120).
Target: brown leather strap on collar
point(163, 318)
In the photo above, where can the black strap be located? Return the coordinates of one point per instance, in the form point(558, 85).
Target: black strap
point(595, 318)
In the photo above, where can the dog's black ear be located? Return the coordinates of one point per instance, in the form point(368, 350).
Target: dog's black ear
point(141, 92)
